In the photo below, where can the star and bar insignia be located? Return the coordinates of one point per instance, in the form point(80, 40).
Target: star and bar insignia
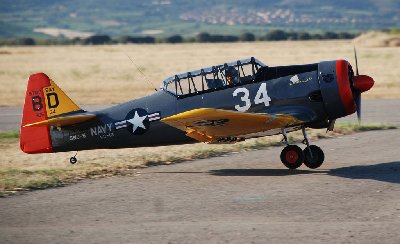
point(137, 121)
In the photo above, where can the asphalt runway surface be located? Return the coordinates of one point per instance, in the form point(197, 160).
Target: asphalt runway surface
point(247, 197)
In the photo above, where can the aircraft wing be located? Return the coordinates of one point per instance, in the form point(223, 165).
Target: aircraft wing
point(64, 120)
point(211, 125)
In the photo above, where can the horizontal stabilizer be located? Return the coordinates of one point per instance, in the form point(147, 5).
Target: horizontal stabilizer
point(63, 120)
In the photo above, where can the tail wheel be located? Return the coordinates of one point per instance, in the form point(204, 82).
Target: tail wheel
point(317, 157)
point(73, 160)
point(292, 156)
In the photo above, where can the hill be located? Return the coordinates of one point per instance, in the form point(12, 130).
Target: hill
point(166, 17)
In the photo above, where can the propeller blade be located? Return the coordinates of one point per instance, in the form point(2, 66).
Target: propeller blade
point(357, 100)
point(355, 57)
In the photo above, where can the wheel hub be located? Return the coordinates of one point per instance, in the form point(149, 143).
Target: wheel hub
point(292, 157)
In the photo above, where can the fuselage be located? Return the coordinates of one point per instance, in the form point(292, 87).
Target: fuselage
point(308, 92)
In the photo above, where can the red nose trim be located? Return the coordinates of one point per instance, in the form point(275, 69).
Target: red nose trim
point(343, 82)
point(363, 82)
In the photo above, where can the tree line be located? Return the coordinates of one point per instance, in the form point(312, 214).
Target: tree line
point(203, 37)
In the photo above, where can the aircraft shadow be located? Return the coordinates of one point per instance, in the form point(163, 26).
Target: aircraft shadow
point(386, 172)
point(260, 172)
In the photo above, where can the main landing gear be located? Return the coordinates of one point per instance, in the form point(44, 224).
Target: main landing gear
point(293, 157)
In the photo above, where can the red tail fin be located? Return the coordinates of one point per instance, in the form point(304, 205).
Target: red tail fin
point(35, 139)
point(44, 100)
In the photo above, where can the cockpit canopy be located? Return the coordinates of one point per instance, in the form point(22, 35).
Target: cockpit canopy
point(213, 78)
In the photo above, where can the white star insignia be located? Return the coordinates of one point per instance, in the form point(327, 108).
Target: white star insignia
point(137, 121)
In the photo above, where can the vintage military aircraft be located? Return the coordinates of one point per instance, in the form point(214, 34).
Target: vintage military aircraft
point(224, 103)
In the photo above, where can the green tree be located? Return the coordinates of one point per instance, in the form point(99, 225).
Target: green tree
point(247, 37)
point(140, 39)
point(203, 37)
point(330, 35)
point(317, 37)
point(174, 39)
point(276, 35)
point(345, 35)
point(97, 40)
point(25, 41)
point(304, 36)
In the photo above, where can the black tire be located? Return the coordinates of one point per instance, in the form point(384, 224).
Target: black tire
point(317, 159)
point(73, 160)
point(292, 156)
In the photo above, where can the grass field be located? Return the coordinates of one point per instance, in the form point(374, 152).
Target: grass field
point(105, 75)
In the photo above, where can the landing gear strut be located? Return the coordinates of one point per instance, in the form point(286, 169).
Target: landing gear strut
point(293, 157)
point(313, 155)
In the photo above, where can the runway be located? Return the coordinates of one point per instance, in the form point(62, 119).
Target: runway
point(247, 197)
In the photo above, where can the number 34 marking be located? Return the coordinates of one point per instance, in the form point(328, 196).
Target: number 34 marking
point(261, 97)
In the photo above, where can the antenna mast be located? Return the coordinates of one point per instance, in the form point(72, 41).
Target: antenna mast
point(145, 77)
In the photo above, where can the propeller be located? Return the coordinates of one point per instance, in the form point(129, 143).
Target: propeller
point(361, 83)
point(355, 57)
point(356, 93)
